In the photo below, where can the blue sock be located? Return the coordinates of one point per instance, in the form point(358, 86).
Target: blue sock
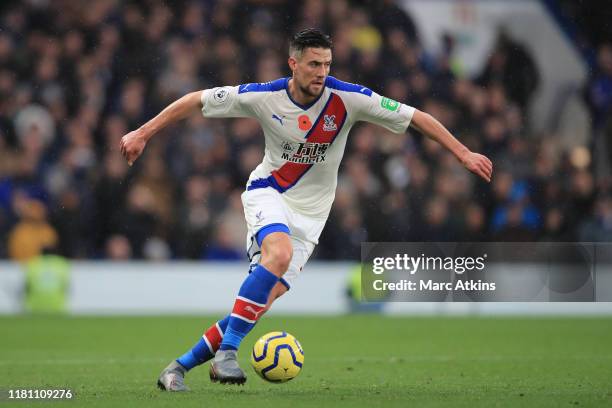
point(249, 305)
point(206, 347)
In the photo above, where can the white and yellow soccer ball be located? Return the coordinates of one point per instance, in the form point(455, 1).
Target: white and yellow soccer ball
point(277, 357)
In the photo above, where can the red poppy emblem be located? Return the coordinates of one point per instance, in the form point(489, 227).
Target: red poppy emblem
point(304, 122)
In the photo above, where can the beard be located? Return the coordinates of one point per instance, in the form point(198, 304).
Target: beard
point(307, 91)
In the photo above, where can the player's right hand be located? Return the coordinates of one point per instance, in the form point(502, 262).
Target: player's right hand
point(132, 145)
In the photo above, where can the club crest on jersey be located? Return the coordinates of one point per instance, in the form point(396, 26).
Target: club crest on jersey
point(329, 124)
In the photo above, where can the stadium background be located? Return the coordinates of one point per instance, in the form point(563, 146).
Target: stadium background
point(76, 76)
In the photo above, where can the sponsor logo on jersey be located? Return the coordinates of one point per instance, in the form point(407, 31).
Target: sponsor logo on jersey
point(389, 104)
point(220, 95)
point(304, 152)
point(329, 125)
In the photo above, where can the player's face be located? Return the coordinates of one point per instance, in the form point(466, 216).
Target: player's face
point(311, 70)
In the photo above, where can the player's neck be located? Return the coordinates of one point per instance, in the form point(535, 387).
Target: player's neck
point(298, 95)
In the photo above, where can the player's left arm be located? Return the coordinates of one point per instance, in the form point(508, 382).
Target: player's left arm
point(396, 117)
point(432, 128)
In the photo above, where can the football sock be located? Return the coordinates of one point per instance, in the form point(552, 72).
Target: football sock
point(206, 347)
point(249, 305)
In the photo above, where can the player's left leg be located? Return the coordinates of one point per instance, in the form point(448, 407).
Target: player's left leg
point(265, 216)
point(208, 345)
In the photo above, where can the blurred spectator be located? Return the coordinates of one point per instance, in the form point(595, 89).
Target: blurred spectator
point(598, 227)
point(556, 226)
point(475, 224)
point(387, 16)
point(109, 195)
point(138, 222)
point(47, 284)
point(514, 226)
point(194, 218)
point(438, 224)
point(599, 88)
point(514, 211)
point(582, 193)
point(118, 248)
point(32, 234)
point(72, 221)
point(599, 99)
point(221, 247)
point(512, 66)
point(156, 249)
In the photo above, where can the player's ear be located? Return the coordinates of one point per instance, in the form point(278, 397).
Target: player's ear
point(292, 63)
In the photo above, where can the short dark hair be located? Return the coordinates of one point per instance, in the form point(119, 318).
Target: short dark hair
point(308, 38)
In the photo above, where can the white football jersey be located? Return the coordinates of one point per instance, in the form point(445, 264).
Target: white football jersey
point(304, 144)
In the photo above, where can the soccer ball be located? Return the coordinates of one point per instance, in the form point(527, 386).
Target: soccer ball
point(277, 357)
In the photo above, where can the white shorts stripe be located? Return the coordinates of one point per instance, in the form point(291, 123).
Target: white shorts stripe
point(250, 301)
point(242, 318)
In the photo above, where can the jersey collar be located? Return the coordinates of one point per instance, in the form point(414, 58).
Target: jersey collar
point(299, 105)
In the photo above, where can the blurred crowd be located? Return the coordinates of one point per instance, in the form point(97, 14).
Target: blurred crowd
point(76, 76)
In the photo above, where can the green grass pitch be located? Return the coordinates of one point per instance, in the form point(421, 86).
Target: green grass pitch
point(350, 361)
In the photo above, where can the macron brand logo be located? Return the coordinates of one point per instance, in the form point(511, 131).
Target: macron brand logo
point(329, 125)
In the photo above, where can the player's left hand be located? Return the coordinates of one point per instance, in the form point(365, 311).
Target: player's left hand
point(478, 164)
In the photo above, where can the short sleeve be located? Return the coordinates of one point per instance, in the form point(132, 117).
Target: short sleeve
point(383, 111)
point(226, 102)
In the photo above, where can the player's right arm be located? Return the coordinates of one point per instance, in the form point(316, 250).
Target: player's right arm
point(224, 102)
